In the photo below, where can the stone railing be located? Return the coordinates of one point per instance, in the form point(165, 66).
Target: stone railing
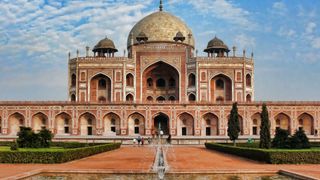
point(224, 59)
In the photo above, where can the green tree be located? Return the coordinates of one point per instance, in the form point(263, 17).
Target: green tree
point(265, 137)
point(45, 137)
point(281, 139)
point(233, 124)
point(299, 140)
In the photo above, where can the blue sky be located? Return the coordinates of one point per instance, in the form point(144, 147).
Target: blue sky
point(36, 36)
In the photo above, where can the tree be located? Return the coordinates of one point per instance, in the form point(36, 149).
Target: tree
point(45, 137)
point(233, 124)
point(299, 140)
point(281, 139)
point(265, 137)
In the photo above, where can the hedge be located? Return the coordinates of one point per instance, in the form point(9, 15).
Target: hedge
point(46, 157)
point(272, 156)
point(59, 144)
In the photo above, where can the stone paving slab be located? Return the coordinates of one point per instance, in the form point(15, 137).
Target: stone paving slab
point(129, 159)
point(200, 159)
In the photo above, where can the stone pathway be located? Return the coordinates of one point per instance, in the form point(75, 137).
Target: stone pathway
point(200, 159)
point(140, 159)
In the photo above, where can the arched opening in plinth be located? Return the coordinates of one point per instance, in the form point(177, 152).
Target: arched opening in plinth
point(39, 122)
point(161, 123)
point(185, 125)
point(16, 121)
point(63, 123)
point(305, 122)
point(210, 125)
point(87, 124)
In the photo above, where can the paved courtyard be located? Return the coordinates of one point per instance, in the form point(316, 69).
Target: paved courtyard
point(140, 159)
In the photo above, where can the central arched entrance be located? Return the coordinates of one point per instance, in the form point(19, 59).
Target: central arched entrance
point(161, 122)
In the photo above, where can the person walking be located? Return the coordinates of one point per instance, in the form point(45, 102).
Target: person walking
point(139, 140)
point(169, 139)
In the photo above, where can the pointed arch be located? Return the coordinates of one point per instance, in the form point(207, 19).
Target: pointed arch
point(248, 98)
point(39, 121)
point(282, 121)
point(161, 77)
point(73, 80)
point(192, 97)
point(185, 124)
point(255, 123)
point(16, 120)
point(191, 80)
point(130, 80)
point(100, 88)
point(63, 123)
point(111, 123)
point(221, 88)
point(136, 124)
point(129, 98)
point(210, 125)
point(306, 122)
point(87, 124)
point(248, 80)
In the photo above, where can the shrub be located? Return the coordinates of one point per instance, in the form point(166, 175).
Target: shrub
point(49, 157)
point(27, 138)
point(273, 156)
point(45, 137)
point(281, 139)
point(299, 140)
point(14, 147)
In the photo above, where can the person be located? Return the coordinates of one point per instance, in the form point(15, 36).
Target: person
point(134, 141)
point(142, 141)
point(169, 139)
point(149, 140)
point(139, 140)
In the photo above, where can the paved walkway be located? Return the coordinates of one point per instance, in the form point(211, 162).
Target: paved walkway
point(200, 159)
point(140, 159)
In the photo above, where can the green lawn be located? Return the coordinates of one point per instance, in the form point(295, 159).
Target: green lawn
point(52, 149)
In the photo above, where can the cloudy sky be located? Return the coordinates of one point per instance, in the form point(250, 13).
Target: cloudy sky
point(36, 36)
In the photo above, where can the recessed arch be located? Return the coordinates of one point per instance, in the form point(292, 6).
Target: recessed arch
point(129, 98)
point(192, 97)
point(282, 121)
point(162, 78)
point(150, 98)
point(16, 120)
point(248, 98)
point(63, 123)
point(221, 86)
point(39, 121)
point(255, 123)
point(185, 124)
point(248, 80)
point(191, 80)
point(73, 80)
point(210, 125)
point(100, 88)
point(161, 123)
point(87, 124)
point(73, 97)
point(130, 80)
point(136, 124)
point(306, 122)
point(172, 98)
point(161, 98)
point(111, 123)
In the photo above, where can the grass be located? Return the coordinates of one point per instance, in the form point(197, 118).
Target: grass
point(52, 149)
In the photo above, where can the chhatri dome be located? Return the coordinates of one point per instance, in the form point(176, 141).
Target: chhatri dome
point(161, 27)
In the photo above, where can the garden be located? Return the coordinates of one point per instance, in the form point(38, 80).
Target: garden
point(31, 147)
point(282, 149)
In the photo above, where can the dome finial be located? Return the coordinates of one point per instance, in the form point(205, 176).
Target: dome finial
point(160, 6)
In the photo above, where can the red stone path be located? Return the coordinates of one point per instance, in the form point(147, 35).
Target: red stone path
point(200, 159)
point(140, 159)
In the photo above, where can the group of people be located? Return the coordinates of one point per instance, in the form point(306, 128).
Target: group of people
point(141, 141)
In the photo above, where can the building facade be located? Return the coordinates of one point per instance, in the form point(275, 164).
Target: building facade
point(162, 84)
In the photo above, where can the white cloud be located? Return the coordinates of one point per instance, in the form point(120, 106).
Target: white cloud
point(315, 43)
point(243, 41)
point(279, 6)
point(288, 33)
point(221, 9)
point(311, 26)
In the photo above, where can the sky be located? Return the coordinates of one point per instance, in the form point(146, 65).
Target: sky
point(36, 36)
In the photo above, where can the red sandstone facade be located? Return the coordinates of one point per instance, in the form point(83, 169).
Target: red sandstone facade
point(161, 85)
